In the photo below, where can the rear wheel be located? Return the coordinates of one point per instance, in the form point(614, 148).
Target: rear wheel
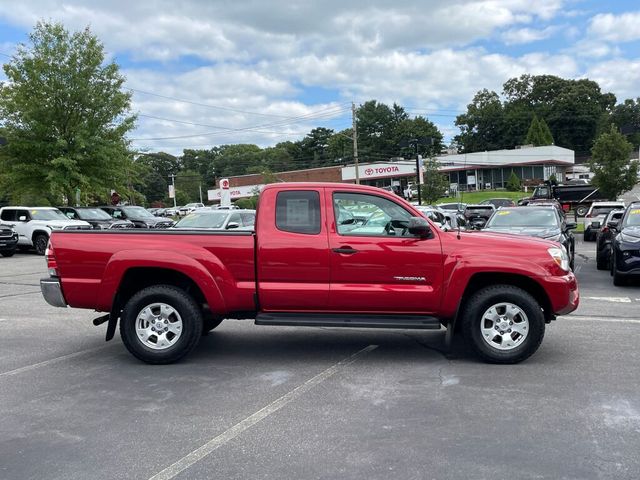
point(40, 242)
point(503, 324)
point(581, 210)
point(161, 324)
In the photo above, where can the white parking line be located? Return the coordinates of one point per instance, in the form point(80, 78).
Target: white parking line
point(600, 319)
point(201, 452)
point(50, 362)
point(610, 299)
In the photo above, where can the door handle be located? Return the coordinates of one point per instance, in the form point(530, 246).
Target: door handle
point(346, 250)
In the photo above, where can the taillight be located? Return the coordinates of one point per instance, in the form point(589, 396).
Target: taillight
point(604, 229)
point(52, 265)
point(588, 215)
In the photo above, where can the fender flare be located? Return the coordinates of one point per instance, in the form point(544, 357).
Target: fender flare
point(201, 266)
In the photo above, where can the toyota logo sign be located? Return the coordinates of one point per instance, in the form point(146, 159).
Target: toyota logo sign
point(368, 171)
point(224, 184)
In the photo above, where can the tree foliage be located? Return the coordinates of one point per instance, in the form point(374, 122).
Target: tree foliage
point(572, 109)
point(65, 116)
point(539, 133)
point(614, 172)
point(435, 183)
point(514, 184)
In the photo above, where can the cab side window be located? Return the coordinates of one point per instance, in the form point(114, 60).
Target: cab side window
point(8, 215)
point(298, 212)
point(369, 215)
point(23, 214)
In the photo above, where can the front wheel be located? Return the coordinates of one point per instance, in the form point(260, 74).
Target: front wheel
point(618, 280)
point(9, 253)
point(503, 324)
point(161, 324)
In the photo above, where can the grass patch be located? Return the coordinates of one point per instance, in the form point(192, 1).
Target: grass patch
point(477, 197)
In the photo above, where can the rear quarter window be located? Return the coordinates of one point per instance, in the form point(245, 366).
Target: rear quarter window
point(298, 212)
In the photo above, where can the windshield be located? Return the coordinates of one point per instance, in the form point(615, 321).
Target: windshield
point(137, 212)
point(541, 192)
point(633, 219)
point(525, 217)
point(93, 214)
point(48, 214)
point(203, 220)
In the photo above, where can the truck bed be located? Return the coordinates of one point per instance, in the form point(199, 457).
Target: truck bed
point(93, 264)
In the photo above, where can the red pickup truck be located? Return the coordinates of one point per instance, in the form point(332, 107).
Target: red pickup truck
point(322, 255)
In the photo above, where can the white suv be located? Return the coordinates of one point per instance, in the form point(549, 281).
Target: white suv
point(598, 211)
point(35, 224)
point(188, 208)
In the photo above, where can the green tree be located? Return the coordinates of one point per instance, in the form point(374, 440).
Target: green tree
point(482, 127)
point(626, 116)
point(514, 184)
point(435, 183)
point(189, 182)
point(65, 116)
point(614, 172)
point(539, 133)
point(201, 161)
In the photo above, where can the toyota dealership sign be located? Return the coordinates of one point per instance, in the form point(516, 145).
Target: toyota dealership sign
point(379, 170)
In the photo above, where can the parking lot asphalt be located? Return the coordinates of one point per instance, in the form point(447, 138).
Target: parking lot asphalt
point(325, 403)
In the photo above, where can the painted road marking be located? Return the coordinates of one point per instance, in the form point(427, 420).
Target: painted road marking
point(215, 443)
point(50, 362)
point(600, 319)
point(610, 299)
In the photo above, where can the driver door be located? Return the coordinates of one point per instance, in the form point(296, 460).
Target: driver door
point(376, 265)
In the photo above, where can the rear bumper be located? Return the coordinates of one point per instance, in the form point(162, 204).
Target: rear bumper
point(52, 292)
point(563, 293)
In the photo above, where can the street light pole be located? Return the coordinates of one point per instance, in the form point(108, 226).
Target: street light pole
point(418, 174)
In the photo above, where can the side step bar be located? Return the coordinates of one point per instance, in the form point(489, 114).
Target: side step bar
point(348, 320)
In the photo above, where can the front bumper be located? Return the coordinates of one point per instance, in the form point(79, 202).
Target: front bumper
point(563, 293)
point(52, 292)
point(9, 243)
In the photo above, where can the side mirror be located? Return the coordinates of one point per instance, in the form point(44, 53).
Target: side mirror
point(613, 225)
point(419, 227)
point(595, 224)
point(231, 225)
point(571, 226)
point(22, 218)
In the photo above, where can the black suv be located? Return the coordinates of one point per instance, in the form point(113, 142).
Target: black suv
point(533, 221)
point(139, 216)
point(8, 240)
point(98, 218)
point(625, 247)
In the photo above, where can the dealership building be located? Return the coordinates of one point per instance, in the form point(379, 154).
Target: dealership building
point(472, 171)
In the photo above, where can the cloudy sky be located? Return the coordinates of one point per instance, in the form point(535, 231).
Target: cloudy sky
point(211, 72)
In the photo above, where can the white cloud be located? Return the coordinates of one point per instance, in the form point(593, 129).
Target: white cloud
point(616, 28)
point(621, 76)
point(517, 36)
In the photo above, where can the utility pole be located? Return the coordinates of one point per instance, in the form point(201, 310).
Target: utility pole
point(200, 188)
point(418, 174)
point(355, 141)
point(173, 181)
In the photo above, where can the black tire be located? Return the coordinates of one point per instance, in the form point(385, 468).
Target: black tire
point(8, 253)
point(480, 302)
point(581, 210)
point(588, 236)
point(40, 241)
point(180, 301)
point(601, 261)
point(618, 280)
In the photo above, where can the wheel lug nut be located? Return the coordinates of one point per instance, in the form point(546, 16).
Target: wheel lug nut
point(509, 331)
point(510, 323)
point(153, 329)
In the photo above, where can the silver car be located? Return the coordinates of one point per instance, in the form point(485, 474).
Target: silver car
point(218, 220)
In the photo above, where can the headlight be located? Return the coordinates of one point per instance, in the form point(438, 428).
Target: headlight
point(560, 256)
point(628, 238)
point(55, 227)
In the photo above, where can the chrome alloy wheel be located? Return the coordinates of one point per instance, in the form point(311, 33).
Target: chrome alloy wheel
point(504, 326)
point(158, 326)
